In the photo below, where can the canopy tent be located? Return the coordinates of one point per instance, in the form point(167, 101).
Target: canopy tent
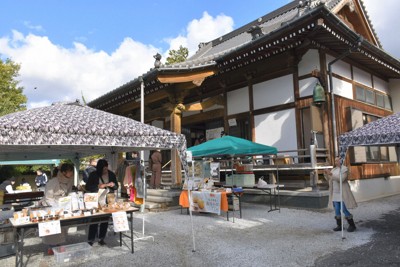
point(72, 131)
point(229, 145)
point(385, 131)
point(32, 162)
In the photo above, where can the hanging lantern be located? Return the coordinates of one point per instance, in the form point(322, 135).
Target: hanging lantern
point(319, 94)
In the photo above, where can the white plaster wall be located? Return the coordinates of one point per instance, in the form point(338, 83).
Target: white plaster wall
point(306, 86)
point(309, 62)
point(362, 77)
point(381, 85)
point(368, 189)
point(277, 129)
point(339, 67)
point(238, 101)
point(273, 92)
point(394, 85)
point(342, 88)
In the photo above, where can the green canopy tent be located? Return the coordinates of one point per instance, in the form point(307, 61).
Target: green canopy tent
point(231, 146)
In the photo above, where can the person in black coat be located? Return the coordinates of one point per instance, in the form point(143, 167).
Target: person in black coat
point(102, 178)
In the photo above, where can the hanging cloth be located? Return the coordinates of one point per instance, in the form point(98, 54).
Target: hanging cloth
point(129, 182)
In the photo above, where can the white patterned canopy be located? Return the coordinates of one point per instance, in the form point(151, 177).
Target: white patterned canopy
point(385, 131)
point(73, 131)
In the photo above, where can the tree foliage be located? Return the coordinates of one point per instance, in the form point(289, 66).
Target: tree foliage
point(176, 56)
point(12, 98)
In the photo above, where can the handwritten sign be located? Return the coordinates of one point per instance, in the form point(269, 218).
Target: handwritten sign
point(206, 202)
point(91, 200)
point(120, 221)
point(49, 228)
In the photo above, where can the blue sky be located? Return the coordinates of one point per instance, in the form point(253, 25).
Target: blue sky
point(67, 48)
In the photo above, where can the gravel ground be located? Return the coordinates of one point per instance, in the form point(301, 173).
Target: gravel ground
point(291, 237)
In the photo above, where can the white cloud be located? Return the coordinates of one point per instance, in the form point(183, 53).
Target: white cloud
point(61, 74)
point(30, 26)
point(203, 30)
point(385, 18)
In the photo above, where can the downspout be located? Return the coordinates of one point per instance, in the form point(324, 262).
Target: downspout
point(335, 142)
point(345, 54)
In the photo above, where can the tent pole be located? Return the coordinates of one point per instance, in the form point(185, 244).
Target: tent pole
point(141, 164)
point(341, 193)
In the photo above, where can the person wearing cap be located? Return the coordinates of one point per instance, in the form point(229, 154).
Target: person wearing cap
point(7, 185)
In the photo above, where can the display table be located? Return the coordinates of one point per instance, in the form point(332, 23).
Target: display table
point(101, 217)
point(273, 191)
point(224, 206)
point(23, 196)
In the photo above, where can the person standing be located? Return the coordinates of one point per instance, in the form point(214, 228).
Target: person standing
point(58, 187)
point(120, 173)
point(156, 161)
point(89, 169)
point(349, 202)
point(102, 178)
point(7, 185)
point(41, 179)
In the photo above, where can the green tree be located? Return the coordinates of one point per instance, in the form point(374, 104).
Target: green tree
point(11, 97)
point(176, 56)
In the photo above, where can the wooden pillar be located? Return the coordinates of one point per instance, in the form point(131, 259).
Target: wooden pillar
point(176, 121)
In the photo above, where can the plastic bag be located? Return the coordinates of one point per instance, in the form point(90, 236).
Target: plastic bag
point(261, 183)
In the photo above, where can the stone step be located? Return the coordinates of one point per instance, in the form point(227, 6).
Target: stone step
point(163, 192)
point(159, 199)
point(152, 205)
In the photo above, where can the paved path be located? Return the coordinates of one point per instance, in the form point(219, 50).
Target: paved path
point(382, 250)
point(292, 237)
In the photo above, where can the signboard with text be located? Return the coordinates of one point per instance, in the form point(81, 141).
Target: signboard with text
point(206, 202)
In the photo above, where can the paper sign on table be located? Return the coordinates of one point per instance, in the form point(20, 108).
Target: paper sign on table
point(206, 202)
point(120, 221)
point(49, 228)
point(65, 203)
point(91, 200)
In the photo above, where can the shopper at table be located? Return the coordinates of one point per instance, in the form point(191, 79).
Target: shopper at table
point(333, 177)
point(7, 185)
point(102, 178)
point(58, 187)
point(155, 166)
point(40, 179)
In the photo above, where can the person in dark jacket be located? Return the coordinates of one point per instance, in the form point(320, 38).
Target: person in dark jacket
point(102, 178)
point(7, 185)
point(91, 168)
point(41, 179)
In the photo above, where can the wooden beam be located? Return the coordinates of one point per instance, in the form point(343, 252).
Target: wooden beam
point(128, 107)
point(185, 77)
point(204, 116)
point(218, 100)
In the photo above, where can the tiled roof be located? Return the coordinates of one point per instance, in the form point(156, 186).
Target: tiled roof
point(209, 53)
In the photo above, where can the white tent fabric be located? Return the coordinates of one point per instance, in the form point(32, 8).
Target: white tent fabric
point(385, 131)
point(73, 131)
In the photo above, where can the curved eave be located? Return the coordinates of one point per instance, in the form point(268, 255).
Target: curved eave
point(130, 92)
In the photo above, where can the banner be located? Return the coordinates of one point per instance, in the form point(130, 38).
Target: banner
point(206, 202)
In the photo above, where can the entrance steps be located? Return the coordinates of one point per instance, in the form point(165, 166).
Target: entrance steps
point(162, 199)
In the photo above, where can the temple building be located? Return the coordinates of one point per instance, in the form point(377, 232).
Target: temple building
point(306, 72)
